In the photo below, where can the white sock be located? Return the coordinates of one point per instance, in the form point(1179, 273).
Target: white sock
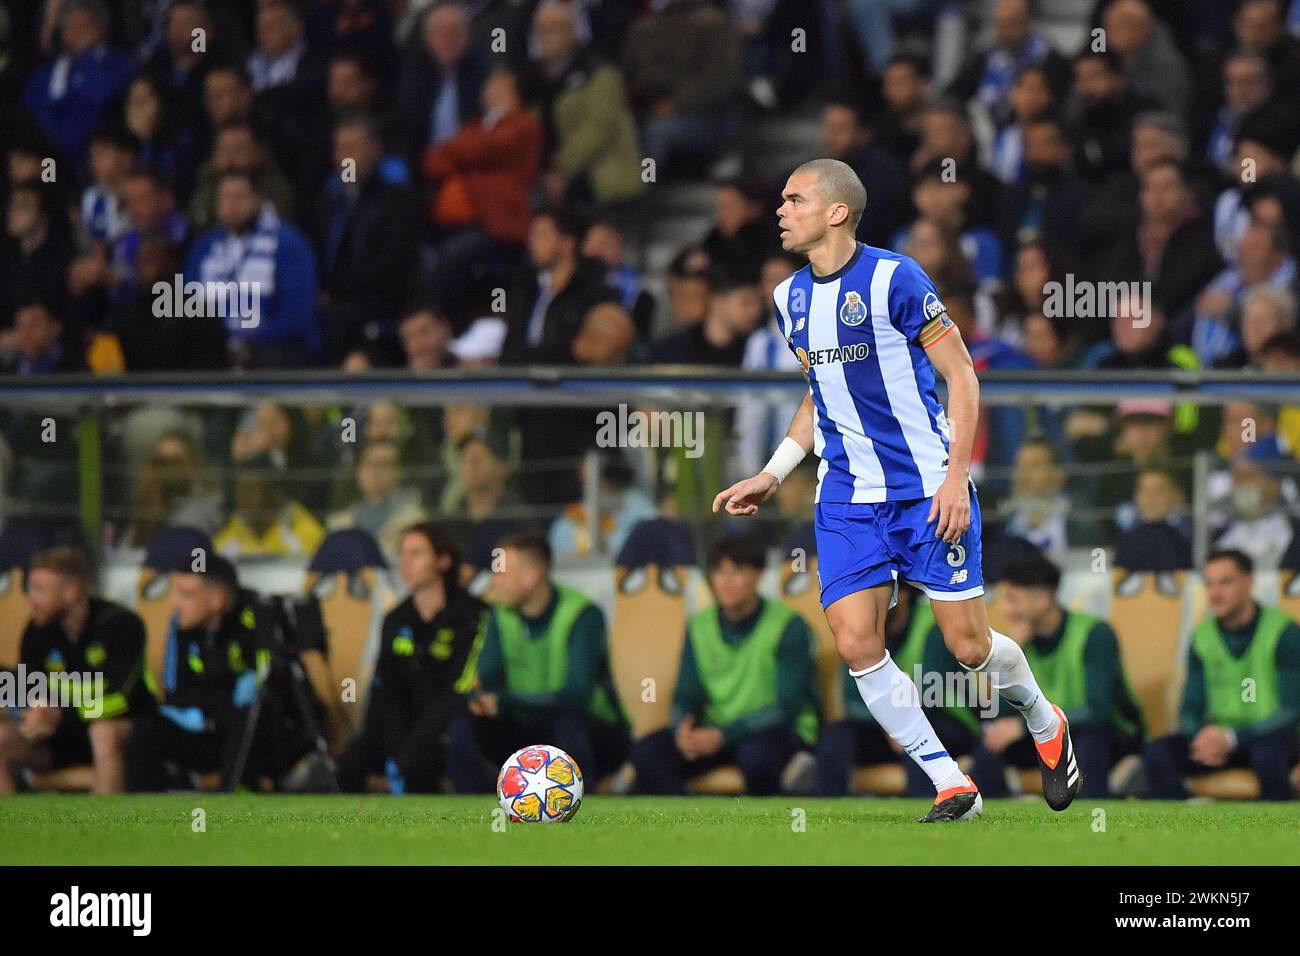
point(891, 697)
point(1008, 671)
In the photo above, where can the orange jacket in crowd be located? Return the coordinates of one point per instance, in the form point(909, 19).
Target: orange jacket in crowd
point(486, 175)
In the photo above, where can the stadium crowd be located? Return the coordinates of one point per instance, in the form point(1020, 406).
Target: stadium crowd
point(440, 185)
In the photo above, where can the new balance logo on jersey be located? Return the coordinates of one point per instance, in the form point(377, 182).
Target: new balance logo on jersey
point(840, 354)
point(959, 577)
point(799, 323)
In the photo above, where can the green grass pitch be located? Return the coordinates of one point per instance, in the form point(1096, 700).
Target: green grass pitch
point(54, 830)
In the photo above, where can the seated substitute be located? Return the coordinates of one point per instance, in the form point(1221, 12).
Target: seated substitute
point(913, 639)
point(543, 675)
point(746, 688)
point(1241, 702)
point(91, 653)
point(427, 652)
point(209, 681)
point(1076, 658)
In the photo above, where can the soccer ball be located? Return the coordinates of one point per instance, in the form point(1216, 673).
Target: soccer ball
point(540, 784)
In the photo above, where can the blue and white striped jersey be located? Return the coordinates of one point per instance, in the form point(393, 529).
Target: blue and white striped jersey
point(860, 335)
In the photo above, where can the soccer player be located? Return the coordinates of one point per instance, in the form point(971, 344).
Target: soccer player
point(894, 496)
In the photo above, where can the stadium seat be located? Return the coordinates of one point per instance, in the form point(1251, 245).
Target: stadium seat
point(1289, 594)
point(1146, 614)
point(153, 602)
point(351, 607)
point(1236, 783)
point(649, 621)
point(13, 616)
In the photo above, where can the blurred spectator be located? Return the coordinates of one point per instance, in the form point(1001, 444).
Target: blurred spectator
point(1218, 725)
point(1266, 311)
point(428, 648)
point(743, 232)
point(1265, 144)
point(947, 149)
point(1038, 509)
point(38, 344)
point(275, 271)
point(989, 77)
point(441, 84)
point(1247, 84)
point(1263, 260)
point(365, 232)
point(152, 342)
point(1050, 198)
point(238, 149)
point(945, 195)
point(73, 631)
point(163, 143)
point(760, 726)
point(191, 43)
point(551, 299)
point(265, 522)
point(151, 207)
point(905, 87)
point(288, 77)
point(688, 288)
point(383, 505)
point(682, 63)
point(483, 173)
point(846, 137)
point(592, 154)
point(35, 253)
point(103, 206)
point(1260, 26)
point(1172, 246)
point(173, 489)
point(1158, 540)
point(72, 95)
point(621, 504)
point(1032, 98)
point(209, 688)
point(1102, 112)
point(352, 90)
point(734, 312)
point(1147, 50)
point(1260, 525)
point(1051, 343)
point(1281, 353)
point(606, 337)
point(425, 334)
point(606, 242)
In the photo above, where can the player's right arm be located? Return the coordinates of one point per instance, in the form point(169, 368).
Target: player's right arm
point(744, 497)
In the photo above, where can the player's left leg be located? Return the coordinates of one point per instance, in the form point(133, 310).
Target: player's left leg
point(951, 575)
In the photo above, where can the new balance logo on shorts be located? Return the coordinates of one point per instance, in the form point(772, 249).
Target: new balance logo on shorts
point(958, 577)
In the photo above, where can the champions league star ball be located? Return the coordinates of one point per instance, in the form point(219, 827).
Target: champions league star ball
point(540, 784)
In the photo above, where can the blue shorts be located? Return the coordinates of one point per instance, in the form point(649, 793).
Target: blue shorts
point(860, 546)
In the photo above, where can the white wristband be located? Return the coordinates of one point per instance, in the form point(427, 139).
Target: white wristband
point(785, 459)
